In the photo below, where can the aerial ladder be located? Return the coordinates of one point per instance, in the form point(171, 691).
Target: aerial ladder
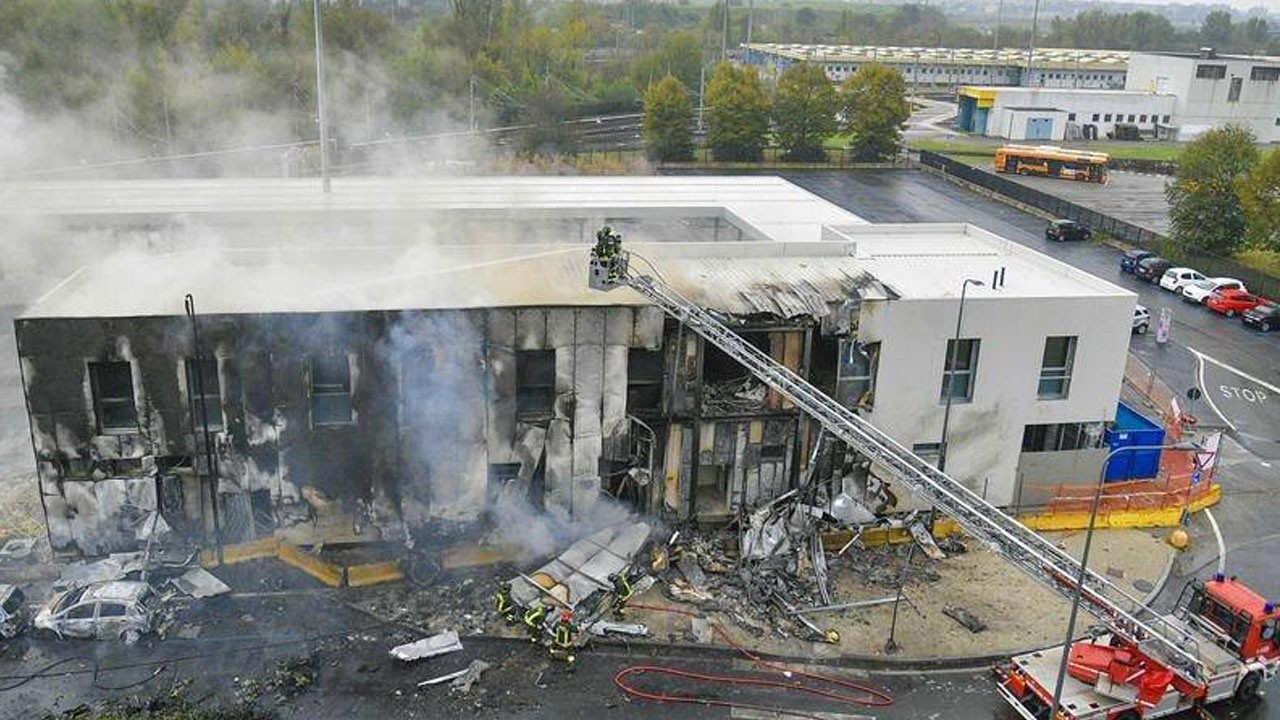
point(1170, 643)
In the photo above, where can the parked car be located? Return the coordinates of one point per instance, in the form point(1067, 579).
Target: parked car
point(1061, 230)
point(1200, 290)
point(1129, 261)
point(1141, 319)
point(1265, 316)
point(117, 609)
point(1152, 268)
point(1174, 279)
point(13, 611)
point(1232, 302)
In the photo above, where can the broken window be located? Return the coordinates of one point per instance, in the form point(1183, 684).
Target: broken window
point(1055, 368)
point(535, 383)
point(644, 381)
point(205, 386)
point(330, 390)
point(106, 610)
point(858, 365)
point(959, 370)
point(113, 396)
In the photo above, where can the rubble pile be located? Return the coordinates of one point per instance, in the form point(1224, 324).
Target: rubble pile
point(741, 395)
point(287, 679)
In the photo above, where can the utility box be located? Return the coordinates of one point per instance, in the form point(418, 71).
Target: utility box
point(1133, 429)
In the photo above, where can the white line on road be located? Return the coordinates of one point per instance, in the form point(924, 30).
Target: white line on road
point(1222, 546)
point(1208, 396)
point(1237, 371)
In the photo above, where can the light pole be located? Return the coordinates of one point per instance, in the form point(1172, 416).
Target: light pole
point(1084, 558)
point(324, 122)
point(951, 379)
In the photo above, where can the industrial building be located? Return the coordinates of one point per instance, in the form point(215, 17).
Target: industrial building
point(934, 68)
point(1173, 96)
point(408, 352)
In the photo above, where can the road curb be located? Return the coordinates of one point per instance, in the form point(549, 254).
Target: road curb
point(1163, 580)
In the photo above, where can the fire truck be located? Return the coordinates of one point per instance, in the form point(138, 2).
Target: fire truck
point(1220, 641)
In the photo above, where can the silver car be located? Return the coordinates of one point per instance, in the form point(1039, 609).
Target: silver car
point(12, 611)
point(119, 609)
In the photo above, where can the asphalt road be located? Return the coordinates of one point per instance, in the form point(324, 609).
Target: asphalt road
point(1134, 197)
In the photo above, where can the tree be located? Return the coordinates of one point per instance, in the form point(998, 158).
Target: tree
point(804, 111)
point(875, 111)
point(1260, 199)
point(1216, 29)
point(1204, 208)
point(668, 113)
point(737, 113)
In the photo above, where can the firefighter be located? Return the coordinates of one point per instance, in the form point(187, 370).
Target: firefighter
point(562, 643)
point(502, 603)
point(533, 618)
point(622, 592)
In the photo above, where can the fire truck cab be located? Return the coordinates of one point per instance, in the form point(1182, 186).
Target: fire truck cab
point(1231, 629)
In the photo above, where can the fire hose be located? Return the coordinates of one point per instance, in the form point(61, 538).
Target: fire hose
point(827, 687)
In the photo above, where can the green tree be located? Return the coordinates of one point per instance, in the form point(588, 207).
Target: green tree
point(668, 113)
point(1216, 29)
point(1204, 207)
point(1260, 199)
point(875, 110)
point(737, 113)
point(804, 111)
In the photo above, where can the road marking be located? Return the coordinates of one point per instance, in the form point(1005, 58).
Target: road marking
point(1208, 397)
point(1237, 371)
point(1222, 546)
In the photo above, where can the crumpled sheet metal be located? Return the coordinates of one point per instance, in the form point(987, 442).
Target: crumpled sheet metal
point(441, 644)
point(584, 567)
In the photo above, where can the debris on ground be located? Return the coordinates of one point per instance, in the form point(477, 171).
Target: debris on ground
point(964, 617)
point(441, 644)
point(19, 548)
point(287, 679)
point(606, 627)
point(920, 533)
point(462, 684)
point(200, 583)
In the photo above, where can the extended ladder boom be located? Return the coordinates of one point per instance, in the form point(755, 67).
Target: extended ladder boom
point(610, 268)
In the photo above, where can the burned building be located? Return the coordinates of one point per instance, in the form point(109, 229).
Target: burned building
point(347, 386)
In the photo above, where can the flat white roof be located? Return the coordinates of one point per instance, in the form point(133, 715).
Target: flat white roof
point(770, 205)
point(1053, 58)
point(784, 279)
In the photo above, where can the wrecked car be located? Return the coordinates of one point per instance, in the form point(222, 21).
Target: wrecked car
point(12, 611)
point(119, 609)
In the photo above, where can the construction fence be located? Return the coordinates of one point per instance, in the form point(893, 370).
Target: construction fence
point(1211, 265)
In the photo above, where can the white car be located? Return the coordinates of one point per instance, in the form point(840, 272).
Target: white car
point(1200, 290)
point(1174, 279)
point(1141, 319)
point(117, 609)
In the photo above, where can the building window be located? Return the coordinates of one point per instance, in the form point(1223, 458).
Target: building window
point(1142, 118)
point(330, 390)
point(1211, 72)
point(1130, 118)
point(858, 366)
point(1264, 74)
point(208, 382)
point(1233, 92)
point(113, 397)
point(1071, 117)
point(1056, 437)
point(1096, 117)
point(644, 381)
point(957, 379)
point(1107, 118)
point(930, 452)
point(1055, 368)
point(1166, 120)
point(535, 383)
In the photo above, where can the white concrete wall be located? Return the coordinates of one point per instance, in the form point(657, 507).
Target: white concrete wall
point(986, 434)
point(1202, 103)
point(1012, 124)
point(1109, 108)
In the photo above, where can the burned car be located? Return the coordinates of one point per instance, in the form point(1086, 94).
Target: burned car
point(13, 611)
point(118, 609)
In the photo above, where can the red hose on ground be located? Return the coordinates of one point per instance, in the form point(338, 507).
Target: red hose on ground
point(867, 696)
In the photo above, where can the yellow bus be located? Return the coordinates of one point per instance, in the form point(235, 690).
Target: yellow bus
point(1056, 162)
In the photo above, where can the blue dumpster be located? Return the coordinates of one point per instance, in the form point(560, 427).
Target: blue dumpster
point(1133, 429)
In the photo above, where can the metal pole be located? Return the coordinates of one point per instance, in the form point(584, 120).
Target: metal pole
point(995, 44)
point(951, 379)
point(1031, 46)
point(724, 33)
point(1084, 564)
point(211, 461)
point(751, 12)
point(324, 123)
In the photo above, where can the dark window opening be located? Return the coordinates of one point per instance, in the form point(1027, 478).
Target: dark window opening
point(110, 610)
point(644, 381)
point(1142, 118)
point(1108, 117)
point(81, 612)
point(773, 452)
point(1165, 120)
point(728, 388)
point(113, 396)
point(1211, 72)
point(1264, 74)
point(929, 452)
point(264, 518)
point(959, 369)
point(1056, 437)
point(535, 383)
point(330, 390)
point(1056, 366)
point(859, 363)
point(208, 382)
point(1095, 117)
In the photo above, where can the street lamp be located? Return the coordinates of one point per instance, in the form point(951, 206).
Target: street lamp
point(951, 379)
point(1084, 558)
